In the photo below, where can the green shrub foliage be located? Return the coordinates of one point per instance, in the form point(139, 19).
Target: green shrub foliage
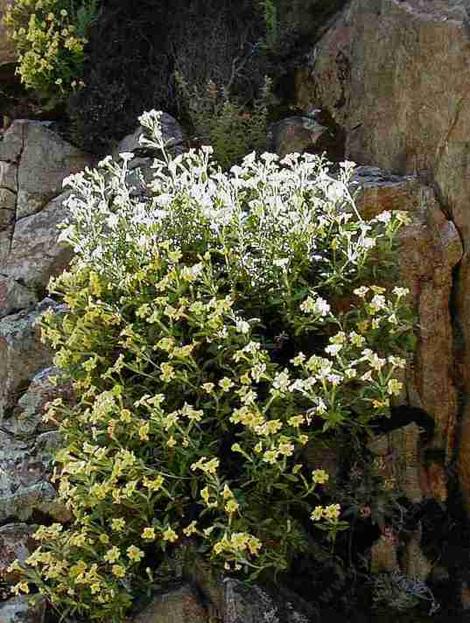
point(216, 325)
point(50, 37)
point(220, 119)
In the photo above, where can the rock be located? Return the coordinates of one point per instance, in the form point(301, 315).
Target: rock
point(398, 459)
point(178, 606)
point(296, 135)
point(35, 253)
point(430, 249)
point(395, 76)
point(415, 564)
point(172, 133)
point(7, 207)
point(14, 296)
point(33, 403)
point(383, 555)
point(22, 354)
point(16, 543)
point(140, 167)
point(9, 169)
point(21, 610)
point(251, 604)
point(24, 471)
point(231, 601)
point(38, 160)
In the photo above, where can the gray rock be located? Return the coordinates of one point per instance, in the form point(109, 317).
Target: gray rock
point(44, 162)
point(236, 602)
point(24, 471)
point(8, 175)
point(251, 604)
point(296, 135)
point(181, 605)
point(14, 296)
point(22, 354)
point(21, 610)
point(35, 253)
point(16, 543)
point(32, 405)
point(172, 133)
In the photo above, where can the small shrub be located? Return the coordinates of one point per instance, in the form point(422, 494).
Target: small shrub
point(50, 37)
point(214, 327)
point(231, 127)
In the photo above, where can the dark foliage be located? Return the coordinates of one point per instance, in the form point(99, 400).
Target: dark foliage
point(135, 49)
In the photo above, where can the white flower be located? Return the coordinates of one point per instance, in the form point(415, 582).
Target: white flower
point(281, 262)
point(315, 306)
point(384, 217)
point(281, 381)
point(242, 326)
point(334, 379)
point(333, 349)
point(361, 292)
point(400, 291)
point(367, 242)
point(378, 302)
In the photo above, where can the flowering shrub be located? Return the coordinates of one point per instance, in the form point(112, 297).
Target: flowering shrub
point(216, 324)
point(50, 36)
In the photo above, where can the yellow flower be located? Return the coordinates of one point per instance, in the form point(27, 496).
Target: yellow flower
point(118, 524)
point(191, 529)
point(208, 387)
point(270, 456)
point(206, 466)
point(171, 442)
point(317, 513)
point(320, 477)
point(112, 554)
point(148, 534)
point(286, 449)
point(126, 416)
point(144, 431)
point(296, 420)
point(135, 554)
point(118, 570)
point(153, 485)
point(169, 535)
point(168, 372)
point(332, 512)
point(225, 384)
point(231, 506)
point(21, 587)
point(394, 387)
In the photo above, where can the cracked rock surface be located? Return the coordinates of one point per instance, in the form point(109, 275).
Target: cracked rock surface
point(33, 162)
point(394, 75)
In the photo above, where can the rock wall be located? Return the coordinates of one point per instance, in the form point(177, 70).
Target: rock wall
point(33, 162)
point(394, 75)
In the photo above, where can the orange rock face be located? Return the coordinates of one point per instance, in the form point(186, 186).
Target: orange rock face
point(394, 75)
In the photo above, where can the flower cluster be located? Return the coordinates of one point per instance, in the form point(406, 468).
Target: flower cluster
point(50, 36)
point(217, 326)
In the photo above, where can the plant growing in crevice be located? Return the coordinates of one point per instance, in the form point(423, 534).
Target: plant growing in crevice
point(232, 127)
point(215, 327)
